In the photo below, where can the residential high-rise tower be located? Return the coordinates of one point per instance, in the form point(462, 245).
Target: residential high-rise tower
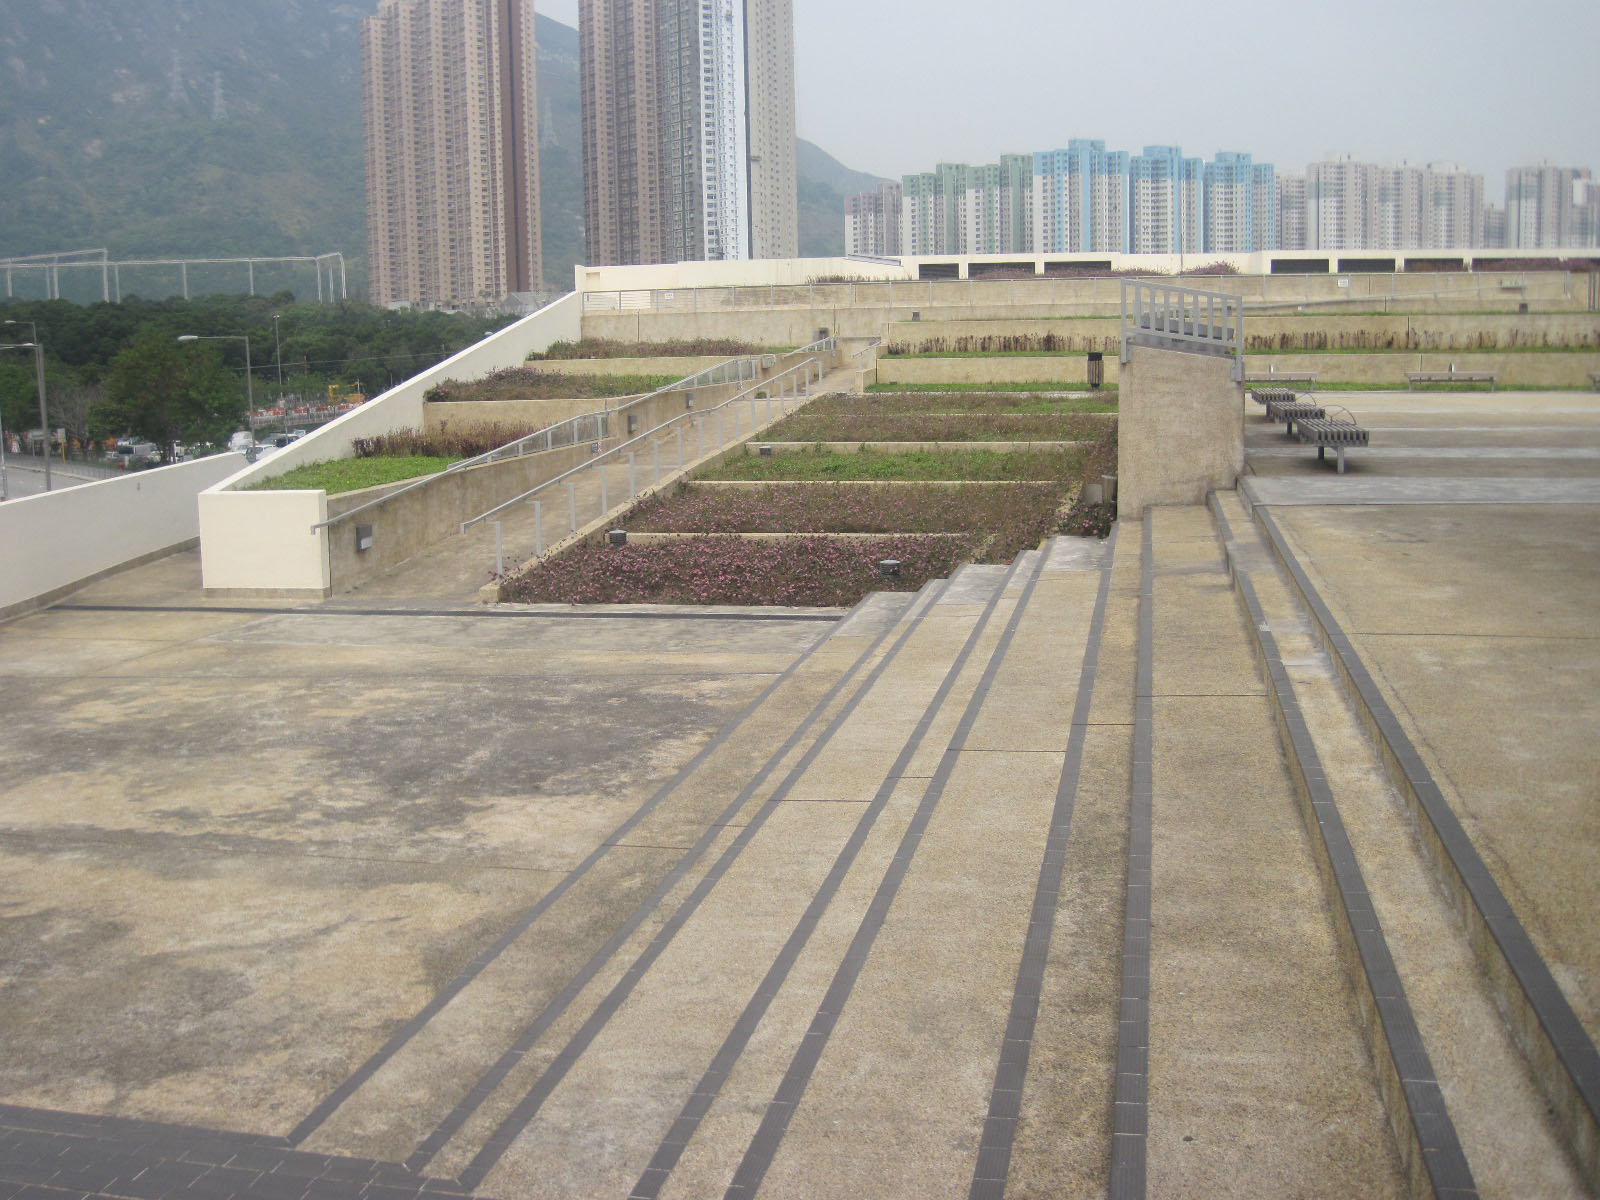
point(452, 124)
point(688, 129)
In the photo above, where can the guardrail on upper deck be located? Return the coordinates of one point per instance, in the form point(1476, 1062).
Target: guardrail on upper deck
point(1159, 314)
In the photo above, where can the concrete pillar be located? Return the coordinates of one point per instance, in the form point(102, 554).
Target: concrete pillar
point(1180, 428)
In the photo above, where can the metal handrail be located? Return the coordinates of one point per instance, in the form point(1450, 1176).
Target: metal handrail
point(643, 437)
point(1188, 316)
point(872, 345)
point(743, 367)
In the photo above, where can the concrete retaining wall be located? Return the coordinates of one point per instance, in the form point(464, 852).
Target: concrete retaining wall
point(1531, 369)
point(1299, 331)
point(1180, 429)
point(410, 523)
point(53, 543)
point(783, 313)
point(256, 542)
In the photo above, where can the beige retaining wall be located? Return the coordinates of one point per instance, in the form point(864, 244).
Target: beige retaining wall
point(678, 368)
point(407, 524)
point(1299, 331)
point(1180, 429)
point(1533, 369)
point(793, 314)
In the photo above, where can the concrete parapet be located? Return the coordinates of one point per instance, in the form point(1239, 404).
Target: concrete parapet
point(1180, 428)
point(56, 542)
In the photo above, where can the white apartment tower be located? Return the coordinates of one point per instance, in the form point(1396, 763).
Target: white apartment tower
point(689, 129)
point(872, 222)
point(451, 123)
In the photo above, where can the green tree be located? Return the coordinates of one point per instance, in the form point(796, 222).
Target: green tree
point(165, 392)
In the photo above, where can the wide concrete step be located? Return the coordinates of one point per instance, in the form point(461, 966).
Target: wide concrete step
point(858, 958)
point(1258, 1078)
point(1434, 1029)
point(430, 1076)
point(657, 1062)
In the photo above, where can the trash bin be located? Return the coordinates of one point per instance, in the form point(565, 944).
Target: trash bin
point(1097, 369)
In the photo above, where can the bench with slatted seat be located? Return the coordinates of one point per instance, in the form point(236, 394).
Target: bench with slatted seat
point(1305, 377)
point(1265, 396)
point(1325, 432)
point(1291, 412)
point(1452, 376)
point(1594, 381)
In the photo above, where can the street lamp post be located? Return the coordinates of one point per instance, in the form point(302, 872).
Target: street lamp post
point(38, 373)
point(249, 388)
point(277, 358)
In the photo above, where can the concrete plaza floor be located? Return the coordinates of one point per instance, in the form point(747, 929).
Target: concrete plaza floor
point(396, 896)
point(1461, 554)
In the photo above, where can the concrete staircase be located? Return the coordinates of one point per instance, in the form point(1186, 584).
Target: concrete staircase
point(1070, 878)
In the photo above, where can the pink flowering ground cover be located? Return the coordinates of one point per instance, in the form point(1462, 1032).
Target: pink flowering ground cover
point(806, 571)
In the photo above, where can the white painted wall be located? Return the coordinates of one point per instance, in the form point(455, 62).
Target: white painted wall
point(791, 272)
point(258, 541)
point(262, 541)
point(57, 539)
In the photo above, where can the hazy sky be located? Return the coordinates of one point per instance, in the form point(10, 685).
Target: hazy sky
point(894, 88)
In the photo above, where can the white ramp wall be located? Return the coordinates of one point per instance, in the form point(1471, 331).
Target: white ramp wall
point(54, 542)
point(256, 541)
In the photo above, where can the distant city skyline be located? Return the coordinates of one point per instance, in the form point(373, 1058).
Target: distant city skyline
point(1292, 85)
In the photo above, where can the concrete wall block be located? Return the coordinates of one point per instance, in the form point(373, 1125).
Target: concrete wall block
point(1180, 429)
point(55, 541)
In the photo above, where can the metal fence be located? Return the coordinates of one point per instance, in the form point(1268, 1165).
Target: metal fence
point(1162, 315)
point(595, 427)
point(775, 392)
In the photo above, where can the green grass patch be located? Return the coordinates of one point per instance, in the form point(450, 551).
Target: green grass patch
point(915, 465)
point(353, 474)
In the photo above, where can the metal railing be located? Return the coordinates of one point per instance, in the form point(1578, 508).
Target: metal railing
point(1156, 313)
point(874, 344)
point(586, 427)
point(809, 371)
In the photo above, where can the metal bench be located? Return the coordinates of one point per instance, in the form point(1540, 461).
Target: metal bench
point(1452, 376)
point(1265, 396)
point(1305, 377)
point(1292, 412)
point(1331, 431)
point(1594, 381)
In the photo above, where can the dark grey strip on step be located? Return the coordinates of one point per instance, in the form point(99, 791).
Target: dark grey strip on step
point(511, 1127)
point(1411, 1094)
point(335, 1099)
point(1564, 1057)
point(763, 1147)
point(671, 1148)
point(1005, 1095)
point(1131, 1115)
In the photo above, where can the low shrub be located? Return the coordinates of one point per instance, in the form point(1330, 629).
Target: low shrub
point(965, 402)
point(410, 442)
point(597, 348)
point(810, 571)
point(526, 383)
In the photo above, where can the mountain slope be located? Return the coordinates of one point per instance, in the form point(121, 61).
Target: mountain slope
point(192, 128)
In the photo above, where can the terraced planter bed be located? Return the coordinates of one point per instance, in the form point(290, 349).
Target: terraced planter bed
point(965, 402)
point(813, 571)
point(915, 465)
point(866, 426)
point(526, 383)
point(1009, 519)
point(693, 348)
